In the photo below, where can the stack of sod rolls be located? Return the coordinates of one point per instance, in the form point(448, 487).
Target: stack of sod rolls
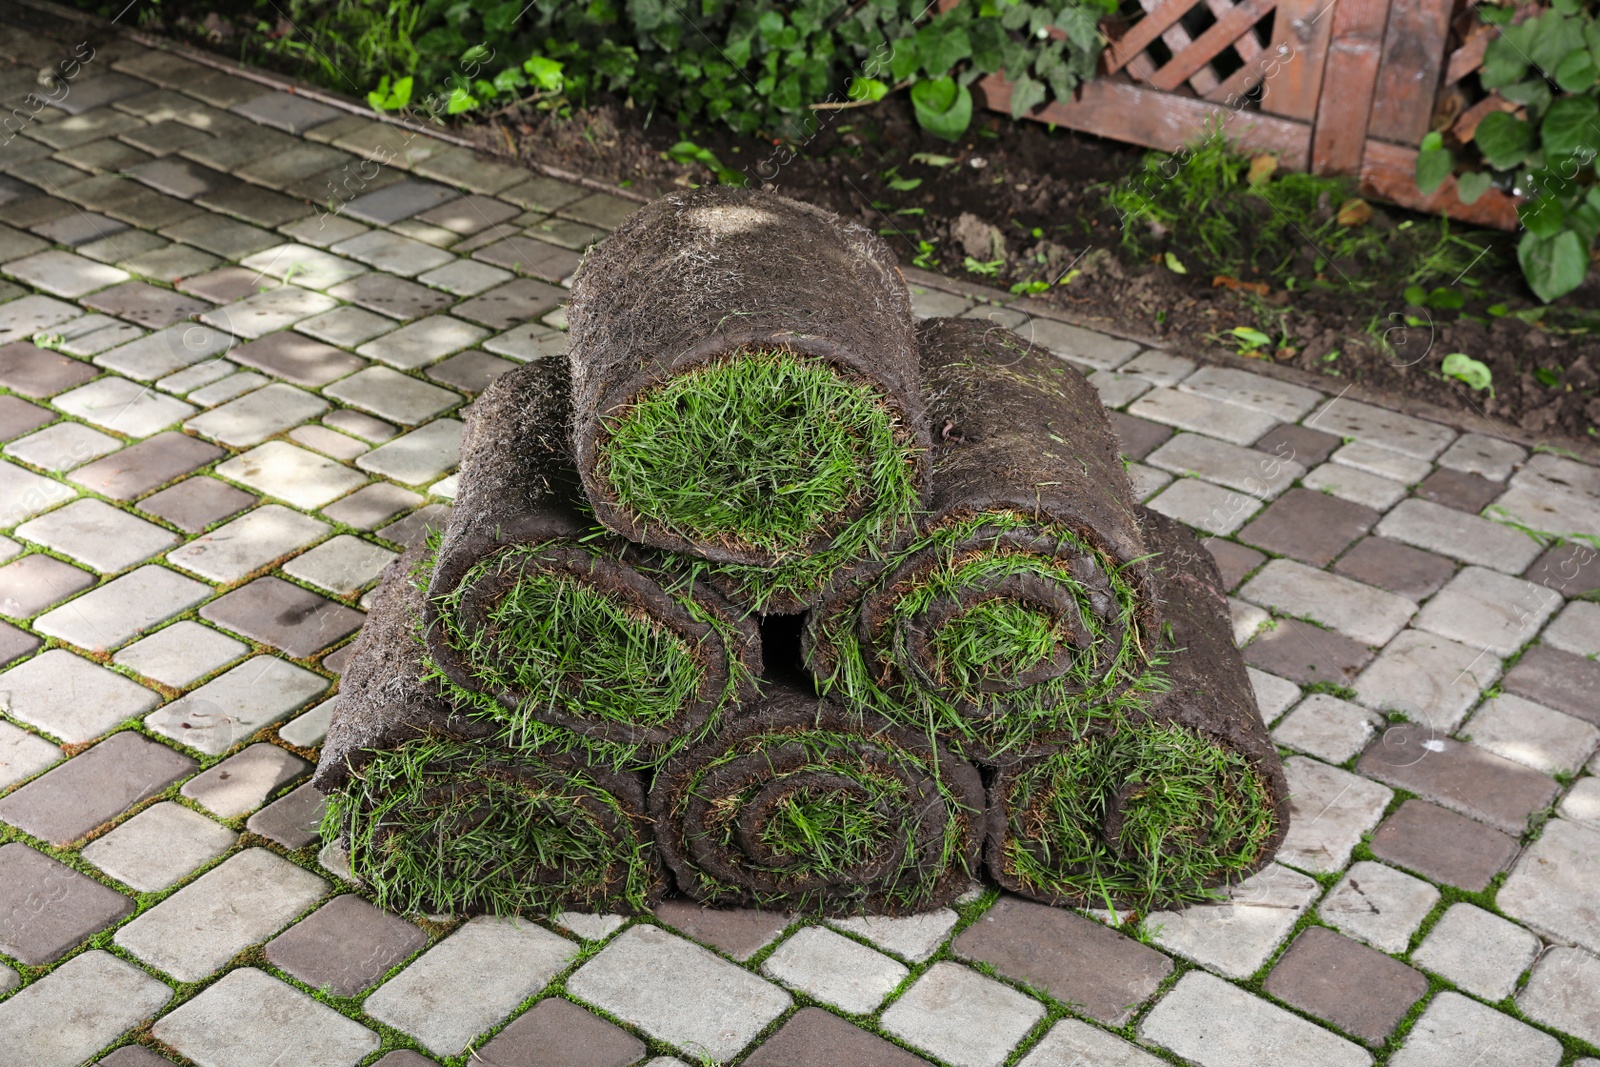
point(771, 595)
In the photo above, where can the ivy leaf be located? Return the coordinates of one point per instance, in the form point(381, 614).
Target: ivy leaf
point(1079, 26)
point(1505, 61)
point(1433, 165)
point(942, 44)
point(943, 108)
point(905, 60)
point(1535, 93)
point(509, 79)
point(546, 73)
point(1585, 219)
point(1026, 94)
point(1473, 184)
point(1567, 125)
point(868, 89)
point(460, 100)
point(1577, 72)
point(1543, 215)
point(1503, 139)
point(1554, 266)
point(1463, 368)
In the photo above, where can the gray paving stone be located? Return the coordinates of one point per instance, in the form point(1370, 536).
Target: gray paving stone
point(913, 938)
point(1282, 400)
point(1549, 468)
point(134, 1056)
point(1456, 1030)
point(298, 359)
point(231, 707)
point(345, 326)
point(279, 469)
point(601, 209)
point(47, 908)
point(399, 201)
point(226, 389)
point(167, 262)
point(248, 543)
point(286, 111)
point(835, 970)
point(512, 304)
point(294, 820)
point(1071, 1043)
point(162, 844)
point(392, 395)
point(198, 929)
point(167, 351)
point(1356, 486)
point(1548, 507)
point(1576, 629)
point(123, 407)
point(368, 508)
point(70, 697)
point(469, 214)
point(527, 256)
point(588, 925)
point(94, 334)
point(504, 960)
point(1206, 507)
point(1369, 615)
point(342, 565)
point(1235, 936)
point(737, 932)
point(1478, 951)
point(1582, 803)
point(1431, 679)
point(194, 504)
point(1461, 536)
point(328, 442)
point(61, 447)
point(221, 236)
point(118, 611)
point(530, 341)
point(79, 229)
point(1215, 1024)
point(94, 787)
point(1550, 888)
point(145, 305)
point(64, 274)
point(254, 417)
point(539, 193)
point(1564, 993)
point(422, 342)
point(242, 783)
point(21, 319)
point(23, 755)
point(78, 1009)
point(464, 277)
point(1260, 475)
point(306, 171)
point(1379, 905)
point(395, 297)
point(418, 457)
point(470, 170)
point(1382, 427)
point(1385, 463)
point(1118, 390)
point(97, 534)
point(26, 494)
point(250, 1019)
point(1532, 734)
point(271, 309)
point(393, 253)
point(1326, 727)
point(962, 1017)
point(1202, 414)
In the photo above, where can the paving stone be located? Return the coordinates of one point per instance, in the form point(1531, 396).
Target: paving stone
point(167, 262)
point(1328, 728)
point(120, 610)
point(1548, 468)
point(395, 297)
point(250, 1019)
point(145, 304)
point(1443, 846)
point(254, 417)
point(97, 534)
point(234, 705)
point(1559, 680)
point(15, 643)
point(1236, 935)
point(35, 582)
point(539, 193)
point(1357, 486)
point(1362, 992)
point(815, 1038)
point(1309, 526)
point(1215, 1024)
point(1576, 629)
point(328, 442)
point(467, 215)
point(1551, 887)
point(1246, 470)
point(471, 372)
point(47, 908)
point(558, 1032)
point(79, 229)
point(345, 946)
point(279, 469)
point(123, 407)
point(1233, 560)
point(601, 209)
point(1273, 694)
point(181, 653)
point(345, 326)
point(197, 930)
point(1459, 535)
point(465, 277)
point(739, 932)
point(1248, 620)
point(1102, 973)
point(835, 970)
point(393, 253)
point(525, 255)
point(94, 334)
point(298, 359)
point(402, 200)
point(1379, 905)
point(1410, 572)
point(504, 960)
point(418, 457)
point(1201, 414)
point(367, 508)
point(272, 309)
point(1330, 811)
point(471, 170)
point(359, 424)
point(294, 820)
point(1302, 444)
point(78, 1009)
point(1307, 654)
point(160, 845)
point(143, 466)
point(1459, 776)
point(1478, 951)
point(93, 787)
point(1456, 1030)
point(286, 111)
point(913, 938)
point(32, 371)
point(1581, 804)
point(221, 236)
point(23, 755)
point(166, 352)
point(528, 342)
point(242, 783)
point(284, 616)
point(962, 1017)
point(512, 304)
point(422, 342)
point(341, 565)
point(100, 89)
point(1456, 489)
point(226, 285)
point(134, 1056)
point(1564, 993)
point(194, 504)
point(588, 925)
point(1138, 438)
point(1570, 569)
point(1204, 506)
point(1431, 679)
point(414, 527)
point(1532, 734)
point(1282, 400)
point(18, 417)
point(1382, 427)
point(1369, 615)
point(64, 274)
point(1396, 466)
point(226, 389)
point(580, 236)
point(26, 494)
point(70, 697)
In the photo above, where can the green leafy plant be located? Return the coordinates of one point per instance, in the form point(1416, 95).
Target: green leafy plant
point(1548, 66)
point(1463, 368)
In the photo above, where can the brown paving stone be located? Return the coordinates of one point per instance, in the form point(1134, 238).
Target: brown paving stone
point(1307, 654)
point(37, 372)
point(285, 616)
point(1443, 846)
point(18, 417)
point(226, 285)
point(1138, 437)
point(335, 661)
point(145, 305)
point(558, 1033)
point(97, 785)
point(1104, 974)
point(47, 907)
point(15, 643)
point(1459, 489)
point(1461, 776)
point(1309, 526)
point(1358, 989)
point(1411, 572)
point(35, 582)
point(344, 946)
point(293, 820)
point(1561, 680)
point(140, 468)
point(1571, 570)
point(740, 932)
point(1300, 443)
point(194, 504)
point(1234, 560)
point(816, 1038)
point(297, 358)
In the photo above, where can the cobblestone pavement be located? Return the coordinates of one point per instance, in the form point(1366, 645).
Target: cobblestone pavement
point(225, 409)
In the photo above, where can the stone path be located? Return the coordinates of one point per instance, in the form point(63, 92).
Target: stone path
point(226, 406)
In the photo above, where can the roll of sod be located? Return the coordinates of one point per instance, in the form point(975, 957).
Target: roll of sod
point(1160, 806)
point(438, 818)
point(798, 805)
point(559, 632)
point(744, 375)
point(1022, 611)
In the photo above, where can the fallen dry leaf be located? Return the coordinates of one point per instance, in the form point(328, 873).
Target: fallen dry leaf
point(1354, 212)
point(1228, 281)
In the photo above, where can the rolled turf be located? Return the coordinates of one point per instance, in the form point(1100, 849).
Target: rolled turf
point(745, 388)
point(558, 631)
point(1022, 611)
point(439, 818)
point(1168, 803)
point(797, 805)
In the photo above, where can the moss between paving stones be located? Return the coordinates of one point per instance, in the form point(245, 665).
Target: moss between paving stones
point(799, 805)
point(772, 344)
point(1021, 614)
point(1169, 801)
point(556, 632)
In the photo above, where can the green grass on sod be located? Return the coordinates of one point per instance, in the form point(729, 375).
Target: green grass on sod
point(441, 826)
point(1146, 813)
point(765, 450)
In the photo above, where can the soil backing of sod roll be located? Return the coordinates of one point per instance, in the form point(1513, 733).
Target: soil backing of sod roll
point(796, 804)
point(1023, 609)
point(1165, 804)
point(554, 629)
point(439, 818)
point(745, 384)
